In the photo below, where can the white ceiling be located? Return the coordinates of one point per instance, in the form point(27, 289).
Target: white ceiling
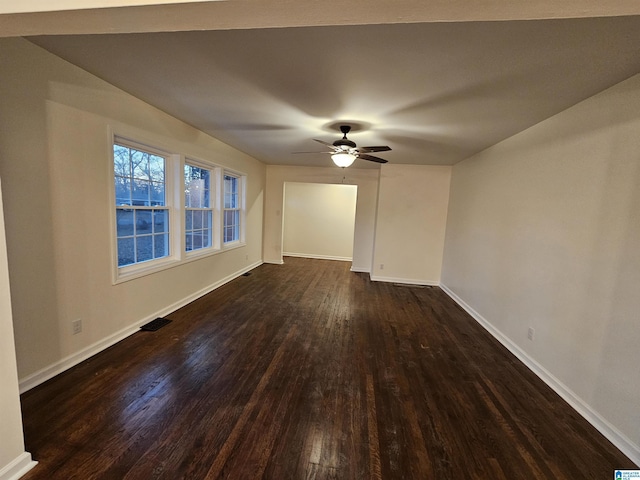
point(436, 93)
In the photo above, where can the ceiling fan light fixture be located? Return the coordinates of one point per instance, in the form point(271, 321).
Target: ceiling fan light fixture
point(343, 159)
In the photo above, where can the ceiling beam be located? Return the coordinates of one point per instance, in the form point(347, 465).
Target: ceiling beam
point(249, 14)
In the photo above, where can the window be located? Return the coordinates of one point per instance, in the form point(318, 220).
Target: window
point(142, 216)
point(231, 227)
point(198, 208)
point(168, 209)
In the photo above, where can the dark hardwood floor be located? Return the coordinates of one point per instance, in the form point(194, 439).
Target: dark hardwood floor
point(309, 371)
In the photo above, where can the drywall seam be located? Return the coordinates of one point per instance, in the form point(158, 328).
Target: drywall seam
point(621, 441)
point(66, 363)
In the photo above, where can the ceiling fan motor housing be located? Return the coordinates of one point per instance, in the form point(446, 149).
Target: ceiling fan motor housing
point(344, 142)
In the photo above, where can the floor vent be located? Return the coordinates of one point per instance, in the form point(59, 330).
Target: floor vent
point(246, 274)
point(156, 324)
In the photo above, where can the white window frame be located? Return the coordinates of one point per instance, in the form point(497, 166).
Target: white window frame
point(240, 208)
point(144, 267)
point(175, 203)
point(214, 207)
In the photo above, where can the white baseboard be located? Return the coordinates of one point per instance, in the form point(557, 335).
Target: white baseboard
point(274, 262)
point(319, 257)
point(18, 467)
point(615, 436)
point(355, 268)
point(60, 366)
point(406, 281)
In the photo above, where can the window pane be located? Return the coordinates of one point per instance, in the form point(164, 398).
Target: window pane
point(160, 221)
point(197, 182)
point(124, 221)
point(140, 163)
point(207, 220)
point(125, 251)
point(228, 234)
point(230, 200)
point(140, 194)
point(187, 183)
point(206, 197)
point(143, 222)
point(197, 240)
point(123, 191)
point(236, 232)
point(230, 191)
point(189, 242)
point(206, 238)
point(160, 245)
point(231, 225)
point(195, 194)
point(188, 220)
point(156, 168)
point(121, 162)
point(144, 248)
point(157, 193)
point(197, 219)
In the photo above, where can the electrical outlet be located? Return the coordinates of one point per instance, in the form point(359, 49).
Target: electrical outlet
point(530, 333)
point(76, 326)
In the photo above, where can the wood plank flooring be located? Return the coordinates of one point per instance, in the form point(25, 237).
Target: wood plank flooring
point(309, 371)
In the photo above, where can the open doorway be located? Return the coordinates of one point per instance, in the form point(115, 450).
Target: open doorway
point(319, 220)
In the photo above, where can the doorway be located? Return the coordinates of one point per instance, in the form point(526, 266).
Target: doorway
point(319, 220)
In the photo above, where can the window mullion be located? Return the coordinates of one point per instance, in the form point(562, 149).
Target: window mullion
point(177, 205)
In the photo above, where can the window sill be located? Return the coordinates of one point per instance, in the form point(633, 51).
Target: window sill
point(143, 270)
point(232, 245)
point(166, 264)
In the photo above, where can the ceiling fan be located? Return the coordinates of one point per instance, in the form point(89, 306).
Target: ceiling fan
point(344, 151)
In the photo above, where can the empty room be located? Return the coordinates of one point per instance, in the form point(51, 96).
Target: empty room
point(250, 239)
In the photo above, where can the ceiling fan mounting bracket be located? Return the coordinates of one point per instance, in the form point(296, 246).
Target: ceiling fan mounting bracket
point(344, 140)
point(345, 129)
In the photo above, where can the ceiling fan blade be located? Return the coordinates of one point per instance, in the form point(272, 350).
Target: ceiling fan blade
point(381, 148)
point(371, 158)
point(330, 153)
point(330, 145)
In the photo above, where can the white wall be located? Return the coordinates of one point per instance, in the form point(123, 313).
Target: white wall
point(367, 183)
point(54, 162)
point(13, 459)
point(544, 232)
point(319, 220)
point(410, 224)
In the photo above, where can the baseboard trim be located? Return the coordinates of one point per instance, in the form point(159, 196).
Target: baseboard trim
point(274, 262)
point(17, 467)
point(66, 363)
point(406, 281)
point(615, 436)
point(360, 269)
point(318, 257)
